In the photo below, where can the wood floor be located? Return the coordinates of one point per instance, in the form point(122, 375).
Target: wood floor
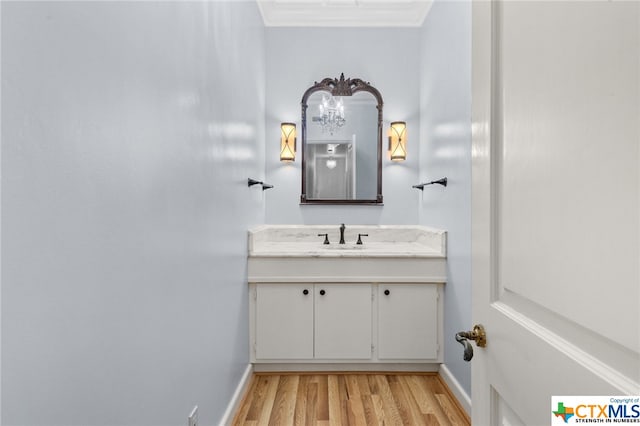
point(366, 399)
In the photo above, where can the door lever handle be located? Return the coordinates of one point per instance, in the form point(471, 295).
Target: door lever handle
point(477, 334)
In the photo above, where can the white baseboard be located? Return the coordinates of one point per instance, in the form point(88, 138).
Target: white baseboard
point(454, 386)
point(336, 366)
point(236, 399)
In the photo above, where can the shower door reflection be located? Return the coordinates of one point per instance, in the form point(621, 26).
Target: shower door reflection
point(331, 169)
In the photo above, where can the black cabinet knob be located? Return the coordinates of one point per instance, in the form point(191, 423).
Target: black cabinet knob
point(305, 291)
point(387, 292)
point(322, 292)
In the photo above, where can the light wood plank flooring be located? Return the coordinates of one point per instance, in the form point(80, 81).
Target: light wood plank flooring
point(366, 399)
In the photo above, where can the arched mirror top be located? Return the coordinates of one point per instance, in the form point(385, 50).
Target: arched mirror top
point(342, 87)
point(341, 142)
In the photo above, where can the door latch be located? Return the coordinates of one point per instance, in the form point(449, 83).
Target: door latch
point(477, 334)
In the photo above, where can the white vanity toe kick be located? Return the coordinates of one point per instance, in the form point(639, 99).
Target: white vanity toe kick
point(347, 269)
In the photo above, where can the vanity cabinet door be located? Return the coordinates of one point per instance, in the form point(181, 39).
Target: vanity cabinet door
point(284, 321)
point(407, 321)
point(343, 321)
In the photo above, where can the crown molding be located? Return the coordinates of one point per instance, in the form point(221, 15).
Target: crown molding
point(344, 13)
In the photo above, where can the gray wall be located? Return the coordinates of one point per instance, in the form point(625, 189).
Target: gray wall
point(298, 57)
point(445, 122)
point(128, 133)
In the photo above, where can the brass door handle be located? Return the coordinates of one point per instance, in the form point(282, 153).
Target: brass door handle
point(477, 334)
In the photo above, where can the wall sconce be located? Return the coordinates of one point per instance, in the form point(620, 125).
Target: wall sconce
point(398, 141)
point(288, 142)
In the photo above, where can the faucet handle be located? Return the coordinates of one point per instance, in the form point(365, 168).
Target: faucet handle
point(326, 238)
point(360, 239)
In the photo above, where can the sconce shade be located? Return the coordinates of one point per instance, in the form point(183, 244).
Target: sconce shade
point(288, 142)
point(398, 141)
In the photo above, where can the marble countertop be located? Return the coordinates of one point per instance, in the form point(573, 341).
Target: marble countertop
point(406, 241)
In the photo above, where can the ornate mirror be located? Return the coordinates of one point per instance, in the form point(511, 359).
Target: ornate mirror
point(341, 143)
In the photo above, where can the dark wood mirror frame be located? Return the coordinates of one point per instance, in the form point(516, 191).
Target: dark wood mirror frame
point(341, 87)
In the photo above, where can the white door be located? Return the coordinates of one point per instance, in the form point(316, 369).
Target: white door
point(408, 321)
point(556, 223)
point(343, 321)
point(284, 321)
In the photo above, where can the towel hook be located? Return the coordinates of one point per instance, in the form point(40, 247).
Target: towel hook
point(265, 186)
point(421, 186)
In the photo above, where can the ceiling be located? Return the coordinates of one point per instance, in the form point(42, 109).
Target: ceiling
point(344, 13)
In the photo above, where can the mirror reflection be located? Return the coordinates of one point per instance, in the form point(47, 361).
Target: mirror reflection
point(341, 147)
point(341, 141)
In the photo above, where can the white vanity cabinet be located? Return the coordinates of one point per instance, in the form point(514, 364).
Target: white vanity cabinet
point(376, 306)
point(366, 323)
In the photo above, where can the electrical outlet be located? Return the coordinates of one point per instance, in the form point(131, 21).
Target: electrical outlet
point(193, 417)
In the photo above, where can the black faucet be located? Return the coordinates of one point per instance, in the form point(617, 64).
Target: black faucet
point(342, 233)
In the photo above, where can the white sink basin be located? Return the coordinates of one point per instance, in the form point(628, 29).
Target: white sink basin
point(342, 246)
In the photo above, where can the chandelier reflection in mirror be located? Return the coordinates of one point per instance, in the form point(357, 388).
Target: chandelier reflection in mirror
point(331, 116)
